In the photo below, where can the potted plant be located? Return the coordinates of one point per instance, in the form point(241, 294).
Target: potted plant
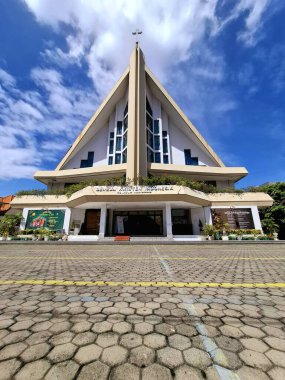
point(239, 233)
point(209, 231)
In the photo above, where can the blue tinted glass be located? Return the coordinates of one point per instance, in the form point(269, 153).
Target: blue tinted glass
point(125, 124)
point(124, 156)
point(165, 146)
point(187, 155)
point(125, 136)
point(110, 162)
point(149, 138)
point(148, 107)
point(111, 146)
point(111, 135)
point(165, 159)
point(119, 127)
point(149, 122)
point(164, 133)
point(156, 143)
point(194, 161)
point(157, 157)
point(118, 158)
point(156, 126)
point(126, 110)
point(149, 155)
point(118, 143)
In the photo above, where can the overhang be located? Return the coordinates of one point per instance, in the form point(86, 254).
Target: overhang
point(81, 174)
point(199, 173)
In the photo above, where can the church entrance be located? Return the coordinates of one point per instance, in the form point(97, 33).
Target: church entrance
point(92, 222)
point(138, 223)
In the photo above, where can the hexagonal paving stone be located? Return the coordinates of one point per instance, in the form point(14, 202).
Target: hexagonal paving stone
point(107, 339)
point(278, 344)
point(35, 352)
point(131, 340)
point(88, 354)
point(255, 359)
point(165, 329)
point(114, 355)
point(122, 327)
point(197, 358)
point(41, 326)
point(33, 371)
point(185, 372)
point(277, 373)
point(84, 338)
point(254, 344)
point(155, 340)
point(170, 357)
point(144, 311)
point(253, 332)
point(94, 371)
point(143, 328)
point(277, 357)
point(23, 325)
point(125, 371)
point(15, 337)
point(157, 372)
point(101, 327)
point(38, 337)
point(6, 323)
point(179, 341)
point(233, 332)
point(227, 343)
point(60, 327)
point(142, 356)
point(8, 368)
point(64, 337)
point(248, 373)
point(12, 351)
point(62, 352)
point(64, 370)
point(186, 330)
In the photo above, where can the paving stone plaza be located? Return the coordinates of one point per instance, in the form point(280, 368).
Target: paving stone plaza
point(149, 312)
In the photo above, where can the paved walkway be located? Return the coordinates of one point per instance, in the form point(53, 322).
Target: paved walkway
point(142, 312)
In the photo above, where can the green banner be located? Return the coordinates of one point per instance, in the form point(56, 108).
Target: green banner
point(48, 219)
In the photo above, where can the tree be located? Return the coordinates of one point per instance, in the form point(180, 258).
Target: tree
point(9, 224)
point(273, 218)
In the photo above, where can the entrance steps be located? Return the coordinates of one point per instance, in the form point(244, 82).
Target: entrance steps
point(83, 238)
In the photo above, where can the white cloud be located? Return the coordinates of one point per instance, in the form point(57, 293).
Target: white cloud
point(6, 79)
point(38, 126)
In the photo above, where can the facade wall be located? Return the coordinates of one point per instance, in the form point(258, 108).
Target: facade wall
point(98, 144)
point(197, 215)
point(180, 141)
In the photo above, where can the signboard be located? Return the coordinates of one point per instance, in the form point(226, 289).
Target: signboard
point(49, 219)
point(237, 218)
point(133, 189)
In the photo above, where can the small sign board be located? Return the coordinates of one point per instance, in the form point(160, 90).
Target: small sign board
point(49, 219)
point(236, 218)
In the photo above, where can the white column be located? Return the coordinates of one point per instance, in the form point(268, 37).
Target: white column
point(103, 215)
point(208, 216)
point(256, 218)
point(66, 222)
point(168, 221)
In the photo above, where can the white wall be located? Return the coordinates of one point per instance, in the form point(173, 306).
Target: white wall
point(197, 214)
point(98, 145)
point(77, 214)
point(180, 141)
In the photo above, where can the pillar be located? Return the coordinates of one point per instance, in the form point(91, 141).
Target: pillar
point(168, 221)
point(103, 216)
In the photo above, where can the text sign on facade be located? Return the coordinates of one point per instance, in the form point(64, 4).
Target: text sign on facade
point(236, 218)
point(133, 189)
point(49, 219)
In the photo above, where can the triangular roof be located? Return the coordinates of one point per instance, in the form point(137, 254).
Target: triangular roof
point(137, 84)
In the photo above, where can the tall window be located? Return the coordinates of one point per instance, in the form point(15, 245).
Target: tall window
point(152, 136)
point(189, 160)
point(118, 141)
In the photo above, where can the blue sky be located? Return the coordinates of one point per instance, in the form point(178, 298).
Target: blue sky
point(223, 61)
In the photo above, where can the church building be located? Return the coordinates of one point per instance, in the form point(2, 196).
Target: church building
point(139, 131)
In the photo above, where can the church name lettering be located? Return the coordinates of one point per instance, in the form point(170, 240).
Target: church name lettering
point(132, 189)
